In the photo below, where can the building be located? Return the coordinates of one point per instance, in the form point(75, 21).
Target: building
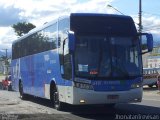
point(153, 59)
point(153, 62)
point(145, 59)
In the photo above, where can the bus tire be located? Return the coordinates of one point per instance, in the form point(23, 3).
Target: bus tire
point(55, 98)
point(22, 95)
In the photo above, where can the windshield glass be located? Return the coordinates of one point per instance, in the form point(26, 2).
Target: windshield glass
point(107, 57)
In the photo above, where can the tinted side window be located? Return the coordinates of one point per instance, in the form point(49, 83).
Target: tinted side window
point(67, 65)
point(63, 27)
point(40, 41)
point(65, 58)
point(50, 37)
point(13, 52)
point(16, 53)
point(31, 44)
point(24, 48)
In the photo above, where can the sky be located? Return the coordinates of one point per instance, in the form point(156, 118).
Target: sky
point(38, 12)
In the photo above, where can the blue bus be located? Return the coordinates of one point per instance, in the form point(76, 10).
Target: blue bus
point(81, 59)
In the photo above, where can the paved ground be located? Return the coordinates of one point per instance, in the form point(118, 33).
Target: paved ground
point(11, 106)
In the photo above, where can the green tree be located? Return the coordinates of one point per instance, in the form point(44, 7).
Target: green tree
point(22, 28)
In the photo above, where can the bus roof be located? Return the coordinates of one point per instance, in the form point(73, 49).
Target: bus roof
point(67, 16)
point(99, 14)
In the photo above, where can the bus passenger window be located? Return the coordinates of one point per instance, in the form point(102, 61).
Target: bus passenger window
point(66, 50)
point(67, 61)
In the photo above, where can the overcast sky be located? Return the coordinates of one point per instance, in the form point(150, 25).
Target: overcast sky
point(41, 11)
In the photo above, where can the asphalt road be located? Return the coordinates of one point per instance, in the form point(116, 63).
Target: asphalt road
point(11, 106)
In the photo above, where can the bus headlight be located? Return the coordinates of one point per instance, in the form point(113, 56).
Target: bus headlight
point(136, 85)
point(83, 86)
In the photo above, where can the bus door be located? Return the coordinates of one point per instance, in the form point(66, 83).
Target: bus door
point(67, 69)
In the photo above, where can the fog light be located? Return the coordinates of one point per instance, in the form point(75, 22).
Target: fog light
point(82, 101)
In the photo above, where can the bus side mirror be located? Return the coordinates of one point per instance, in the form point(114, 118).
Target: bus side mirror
point(71, 38)
point(147, 42)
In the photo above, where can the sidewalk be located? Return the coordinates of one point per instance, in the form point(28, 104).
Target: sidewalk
point(151, 91)
point(8, 98)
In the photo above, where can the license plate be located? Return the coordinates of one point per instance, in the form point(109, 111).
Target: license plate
point(112, 97)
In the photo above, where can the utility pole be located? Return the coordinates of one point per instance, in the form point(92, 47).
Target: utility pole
point(6, 53)
point(6, 61)
point(140, 16)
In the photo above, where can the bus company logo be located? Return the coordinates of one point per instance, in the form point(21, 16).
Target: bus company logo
point(106, 83)
point(97, 83)
point(46, 57)
point(112, 82)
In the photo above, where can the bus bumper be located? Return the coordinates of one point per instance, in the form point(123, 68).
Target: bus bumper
point(82, 96)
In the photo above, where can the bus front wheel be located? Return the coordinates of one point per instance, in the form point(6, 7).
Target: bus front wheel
point(55, 99)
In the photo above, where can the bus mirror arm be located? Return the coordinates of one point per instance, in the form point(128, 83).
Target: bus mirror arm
point(144, 52)
point(71, 38)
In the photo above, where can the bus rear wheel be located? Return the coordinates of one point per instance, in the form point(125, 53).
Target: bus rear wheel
point(55, 99)
point(22, 95)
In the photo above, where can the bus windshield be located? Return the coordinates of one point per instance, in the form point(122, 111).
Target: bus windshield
point(107, 57)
